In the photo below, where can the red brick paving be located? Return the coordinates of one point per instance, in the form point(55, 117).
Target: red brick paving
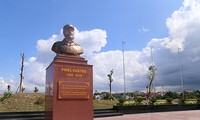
point(178, 115)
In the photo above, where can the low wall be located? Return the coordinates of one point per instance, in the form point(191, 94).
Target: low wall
point(155, 108)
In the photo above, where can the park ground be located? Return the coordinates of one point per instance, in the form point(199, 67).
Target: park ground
point(178, 115)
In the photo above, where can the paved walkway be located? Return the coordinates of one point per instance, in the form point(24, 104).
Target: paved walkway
point(178, 115)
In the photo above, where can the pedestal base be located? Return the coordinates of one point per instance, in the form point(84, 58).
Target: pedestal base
point(69, 89)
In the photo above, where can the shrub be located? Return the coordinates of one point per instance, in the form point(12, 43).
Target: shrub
point(6, 96)
point(160, 102)
point(190, 101)
point(152, 101)
point(169, 100)
point(181, 101)
point(121, 101)
point(198, 101)
point(111, 98)
point(39, 101)
point(129, 103)
point(139, 100)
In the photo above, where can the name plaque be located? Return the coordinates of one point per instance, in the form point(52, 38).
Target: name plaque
point(74, 72)
point(73, 90)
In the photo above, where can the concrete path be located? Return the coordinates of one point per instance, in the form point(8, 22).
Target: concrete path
point(177, 115)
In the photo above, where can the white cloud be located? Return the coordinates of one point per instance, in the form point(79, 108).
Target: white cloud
point(91, 41)
point(143, 29)
point(184, 29)
point(4, 82)
point(35, 67)
point(181, 23)
point(105, 61)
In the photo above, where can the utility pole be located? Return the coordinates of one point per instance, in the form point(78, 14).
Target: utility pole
point(181, 71)
point(124, 70)
point(20, 88)
point(152, 64)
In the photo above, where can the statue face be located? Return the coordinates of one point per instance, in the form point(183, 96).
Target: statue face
point(68, 33)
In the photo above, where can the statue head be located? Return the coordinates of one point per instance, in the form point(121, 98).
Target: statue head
point(67, 45)
point(68, 32)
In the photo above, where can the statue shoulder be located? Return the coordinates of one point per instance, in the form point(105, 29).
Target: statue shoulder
point(56, 47)
point(57, 43)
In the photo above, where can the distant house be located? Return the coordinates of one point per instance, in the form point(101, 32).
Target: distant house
point(1, 95)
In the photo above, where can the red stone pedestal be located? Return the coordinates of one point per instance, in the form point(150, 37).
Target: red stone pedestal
point(69, 89)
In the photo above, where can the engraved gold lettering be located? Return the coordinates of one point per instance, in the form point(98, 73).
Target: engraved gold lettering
point(73, 90)
point(70, 74)
point(66, 70)
point(79, 71)
point(74, 72)
point(79, 75)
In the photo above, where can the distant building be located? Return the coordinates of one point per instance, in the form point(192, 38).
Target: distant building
point(98, 97)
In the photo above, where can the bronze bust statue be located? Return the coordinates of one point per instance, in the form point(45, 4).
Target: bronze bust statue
point(67, 45)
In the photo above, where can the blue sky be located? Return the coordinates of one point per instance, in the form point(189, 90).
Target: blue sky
point(24, 23)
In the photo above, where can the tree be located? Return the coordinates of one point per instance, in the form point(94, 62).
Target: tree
point(150, 76)
point(197, 93)
point(8, 87)
point(110, 80)
point(23, 89)
point(20, 88)
point(170, 94)
point(35, 90)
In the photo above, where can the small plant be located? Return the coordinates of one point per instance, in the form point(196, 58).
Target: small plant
point(111, 98)
point(190, 101)
point(6, 96)
point(129, 103)
point(121, 101)
point(160, 102)
point(39, 101)
point(8, 87)
point(198, 101)
point(169, 100)
point(181, 101)
point(152, 101)
point(35, 90)
point(23, 89)
point(139, 100)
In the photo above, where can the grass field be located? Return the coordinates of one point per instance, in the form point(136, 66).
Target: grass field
point(100, 104)
point(35, 102)
point(22, 102)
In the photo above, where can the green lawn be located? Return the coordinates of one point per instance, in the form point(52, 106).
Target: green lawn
point(100, 104)
point(26, 102)
point(22, 102)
